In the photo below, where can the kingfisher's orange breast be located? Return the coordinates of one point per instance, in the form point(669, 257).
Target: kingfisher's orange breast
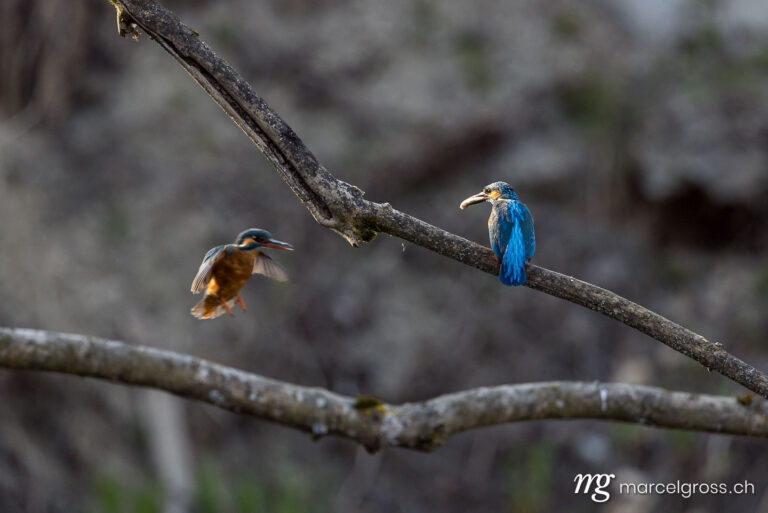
point(230, 274)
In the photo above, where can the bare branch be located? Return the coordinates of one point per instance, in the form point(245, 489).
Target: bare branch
point(341, 207)
point(423, 426)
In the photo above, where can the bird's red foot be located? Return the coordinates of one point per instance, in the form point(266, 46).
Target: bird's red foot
point(242, 304)
point(226, 307)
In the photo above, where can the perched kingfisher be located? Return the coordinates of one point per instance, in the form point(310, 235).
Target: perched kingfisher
point(510, 228)
point(227, 268)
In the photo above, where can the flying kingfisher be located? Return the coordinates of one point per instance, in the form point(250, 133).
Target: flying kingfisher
point(227, 268)
point(510, 228)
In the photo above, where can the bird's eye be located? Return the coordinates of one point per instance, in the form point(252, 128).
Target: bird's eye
point(486, 190)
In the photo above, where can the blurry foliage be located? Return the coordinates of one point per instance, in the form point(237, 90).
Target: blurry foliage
point(249, 496)
point(117, 224)
point(474, 61)
point(705, 40)
point(36, 63)
point(424, 21)
point(214, 492)
point(286, 490)
point(589, 102)
point(673, 272)
point(626, 438)
point(759, 58)
point(567, 25)
point(180, 100)
point(210, 492)
point(761, 285)
point(113, 495)
point(684, 442)
point(528, 477)
point(708, 66)
point(226, 34)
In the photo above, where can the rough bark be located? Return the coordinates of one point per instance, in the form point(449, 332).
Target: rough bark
point(366, 420)
point(341, 207)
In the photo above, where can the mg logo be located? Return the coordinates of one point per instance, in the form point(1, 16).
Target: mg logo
point(600, 482)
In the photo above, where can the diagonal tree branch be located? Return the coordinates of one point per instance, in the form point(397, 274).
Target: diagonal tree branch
point(367, 421)
point(341, 207)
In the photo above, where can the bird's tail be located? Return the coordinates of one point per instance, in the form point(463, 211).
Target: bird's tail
point(512, 270)
point(210, 307)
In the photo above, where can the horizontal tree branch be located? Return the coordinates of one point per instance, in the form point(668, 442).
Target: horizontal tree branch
point(365, 420)
point(341, 207)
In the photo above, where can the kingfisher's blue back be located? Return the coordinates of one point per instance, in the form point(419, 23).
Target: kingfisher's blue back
point(510, 228)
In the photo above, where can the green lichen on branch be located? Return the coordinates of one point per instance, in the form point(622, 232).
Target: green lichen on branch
point(369, 405)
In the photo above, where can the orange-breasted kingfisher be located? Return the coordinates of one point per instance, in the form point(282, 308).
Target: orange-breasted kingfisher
point(510, 228)
point(226, 269)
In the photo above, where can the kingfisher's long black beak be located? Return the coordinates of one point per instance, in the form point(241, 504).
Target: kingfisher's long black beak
point(276, 244)
point(477, 198)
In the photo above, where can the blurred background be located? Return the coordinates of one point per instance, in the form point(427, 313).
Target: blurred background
point(636, 132)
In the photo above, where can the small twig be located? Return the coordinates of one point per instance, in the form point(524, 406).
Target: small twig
point(341, 207)
point(367, 421)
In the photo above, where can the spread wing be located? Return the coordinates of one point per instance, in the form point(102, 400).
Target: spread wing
point(263, 264)
point(203, 275)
